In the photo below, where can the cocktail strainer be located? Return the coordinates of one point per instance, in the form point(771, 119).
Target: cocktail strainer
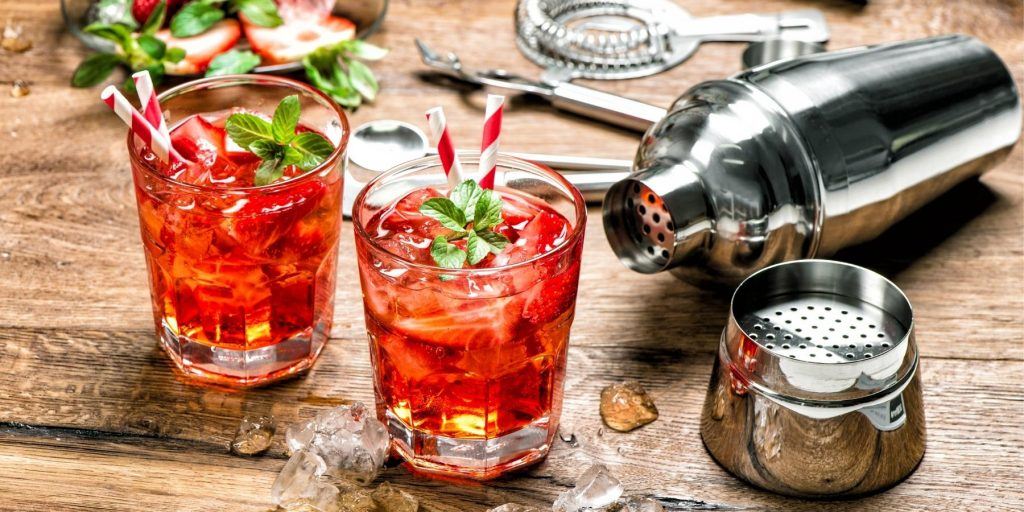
point(815, 390)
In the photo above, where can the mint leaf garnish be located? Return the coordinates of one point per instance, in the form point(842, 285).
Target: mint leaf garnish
point(487, 211)
point(470, 212)
point(312, 148)
point(138, 51)
point(95, 69)
point(245, 129)
point(234, 62)
point(277, 143)
point(447, 255)
point(497, 241)
point(465, 196)
point(446, 212)
point(286, 119)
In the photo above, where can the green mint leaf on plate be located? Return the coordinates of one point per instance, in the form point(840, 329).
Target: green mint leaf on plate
point(362, 79)
point(175, 55)
point(286, 119)
point(446, 255)
point(268, 172)
point(259, 12)
point(155, 19)
point(446, 212)
point(362, 50)
point(153, 47)
point(117, 33)
point(233, 62)
point(313, 148)
point(487, 212)
point(497, 241)
point(195, 18)
point(245, 129)
point(94, 69)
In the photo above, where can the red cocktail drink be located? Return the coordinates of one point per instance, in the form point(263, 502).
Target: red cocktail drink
point(241, 276)
point(469, 363)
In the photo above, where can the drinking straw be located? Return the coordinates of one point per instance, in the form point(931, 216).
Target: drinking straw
point(445, 149)
point(489, 145)
point(138, 125)
point(150, 105)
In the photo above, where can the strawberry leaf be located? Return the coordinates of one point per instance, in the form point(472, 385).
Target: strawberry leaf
point(286, 119)
point(445, 254)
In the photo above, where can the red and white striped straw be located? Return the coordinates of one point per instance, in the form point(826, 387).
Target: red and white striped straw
point(149, 135)
point(445, 149)
point(489, 145)
point(147, 98)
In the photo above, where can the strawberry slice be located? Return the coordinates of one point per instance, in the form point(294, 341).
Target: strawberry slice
point(141, 9)
point(201, 49)
point(296, 37)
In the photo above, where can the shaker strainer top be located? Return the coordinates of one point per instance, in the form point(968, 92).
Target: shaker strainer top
point(821, 330)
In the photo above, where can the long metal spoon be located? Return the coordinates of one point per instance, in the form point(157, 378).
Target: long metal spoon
point(379, 145)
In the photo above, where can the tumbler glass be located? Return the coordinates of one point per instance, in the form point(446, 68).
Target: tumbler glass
point(242, 278)
point(469, 363)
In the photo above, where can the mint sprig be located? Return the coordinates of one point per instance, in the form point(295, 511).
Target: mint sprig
point(469, 212)
point(234, 62)
point(139, 51)
point(336, 71)
point(199, 16)
point(276, 142)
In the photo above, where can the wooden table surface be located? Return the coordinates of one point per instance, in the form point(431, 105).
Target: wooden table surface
point(92, 416)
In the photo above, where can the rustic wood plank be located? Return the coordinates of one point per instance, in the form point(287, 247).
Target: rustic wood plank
point(92, 417)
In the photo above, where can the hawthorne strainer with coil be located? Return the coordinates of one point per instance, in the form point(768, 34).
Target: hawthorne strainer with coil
point(616, 39)
point(815, 390)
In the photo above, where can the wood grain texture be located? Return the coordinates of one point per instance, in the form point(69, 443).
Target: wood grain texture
point(93, 418)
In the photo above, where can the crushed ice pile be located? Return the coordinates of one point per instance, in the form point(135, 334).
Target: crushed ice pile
point(339, 444)
point(596, 490)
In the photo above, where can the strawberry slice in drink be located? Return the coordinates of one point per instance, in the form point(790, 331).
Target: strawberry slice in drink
point(202, 48)
point(297, 37)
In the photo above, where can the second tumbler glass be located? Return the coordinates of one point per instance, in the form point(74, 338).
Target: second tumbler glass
point(469, 363)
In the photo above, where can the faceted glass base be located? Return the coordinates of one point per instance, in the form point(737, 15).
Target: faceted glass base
point(243, 368)
point(477, 459)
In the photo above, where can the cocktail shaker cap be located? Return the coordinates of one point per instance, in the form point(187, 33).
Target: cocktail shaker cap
point(798, 158)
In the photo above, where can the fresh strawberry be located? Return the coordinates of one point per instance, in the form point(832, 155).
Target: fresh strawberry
point(296, 37)
point(141, 9)
point(201, 49)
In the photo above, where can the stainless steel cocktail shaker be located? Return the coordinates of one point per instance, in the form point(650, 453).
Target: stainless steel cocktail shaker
point(799, 158)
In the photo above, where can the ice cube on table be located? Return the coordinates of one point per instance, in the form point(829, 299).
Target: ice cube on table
point(299, 481)
point(513, 507)
point(253, 435)
point(627, 406)
point(349, 439)
point(357, 500)
point(638, 504)
point(394, 500)
point(595, 488)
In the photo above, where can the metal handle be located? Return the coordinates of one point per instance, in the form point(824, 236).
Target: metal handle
point(804, 25)
point(575, 163)
point(594, 185)
point(610, 108)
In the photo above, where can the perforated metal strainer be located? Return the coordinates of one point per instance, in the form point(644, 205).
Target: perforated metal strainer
point(815, 390)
